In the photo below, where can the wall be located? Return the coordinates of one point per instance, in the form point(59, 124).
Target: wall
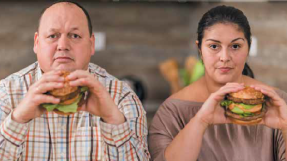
point(141, 35)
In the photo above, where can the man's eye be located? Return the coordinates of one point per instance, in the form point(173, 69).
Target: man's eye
point(52, 36)
point(75, 36)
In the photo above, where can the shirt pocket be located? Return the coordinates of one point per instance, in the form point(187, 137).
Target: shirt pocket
point(87, 144)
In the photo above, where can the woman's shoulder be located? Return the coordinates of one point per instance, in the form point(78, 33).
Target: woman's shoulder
point(176, 112)
point(184, 103)
point(251, 81)
point(194, 92)
point(177, 103)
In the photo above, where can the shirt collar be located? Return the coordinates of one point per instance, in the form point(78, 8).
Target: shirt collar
point(40, 72)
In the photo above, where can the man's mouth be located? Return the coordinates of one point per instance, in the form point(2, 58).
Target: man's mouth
point(63, 59)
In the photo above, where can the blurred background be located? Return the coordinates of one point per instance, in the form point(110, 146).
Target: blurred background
point(134, 37)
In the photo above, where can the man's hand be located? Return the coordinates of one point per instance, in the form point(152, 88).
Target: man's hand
point(29, 108)
point(99, 101)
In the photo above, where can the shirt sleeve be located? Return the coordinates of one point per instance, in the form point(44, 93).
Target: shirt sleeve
point(127, 141)
point(279, 145)
point(159, 135)
point(278, 140)
point(168, 121)
point(12, 134)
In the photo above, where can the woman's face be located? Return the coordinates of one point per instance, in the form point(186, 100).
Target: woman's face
point(224, 51)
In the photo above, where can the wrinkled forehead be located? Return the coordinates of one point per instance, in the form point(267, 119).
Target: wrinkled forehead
point(61, 14)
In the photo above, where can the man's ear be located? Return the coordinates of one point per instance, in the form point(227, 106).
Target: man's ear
point(92, 39)
point(36, 41)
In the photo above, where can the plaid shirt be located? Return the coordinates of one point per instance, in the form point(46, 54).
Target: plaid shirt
point(77, 137)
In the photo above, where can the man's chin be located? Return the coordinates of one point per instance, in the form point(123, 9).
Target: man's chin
point(65, 67)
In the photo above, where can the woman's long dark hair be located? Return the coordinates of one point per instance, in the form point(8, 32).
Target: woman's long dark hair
point(226, 14)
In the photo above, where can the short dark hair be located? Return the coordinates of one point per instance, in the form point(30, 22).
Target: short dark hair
point(226, 14)
point(75, 3)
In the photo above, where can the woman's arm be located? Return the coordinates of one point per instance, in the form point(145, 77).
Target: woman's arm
point(285, 141)
point(276, 118)
point(187, 142)
point(186, 145)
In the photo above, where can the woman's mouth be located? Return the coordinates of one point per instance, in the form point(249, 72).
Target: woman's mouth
point(224, 69)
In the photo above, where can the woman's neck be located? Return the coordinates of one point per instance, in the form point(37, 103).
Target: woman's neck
point(212, 86)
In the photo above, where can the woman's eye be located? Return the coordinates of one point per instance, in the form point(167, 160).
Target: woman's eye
point(213, 46)
point(235, 46)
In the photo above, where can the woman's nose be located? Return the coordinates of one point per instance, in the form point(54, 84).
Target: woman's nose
point(224, 55)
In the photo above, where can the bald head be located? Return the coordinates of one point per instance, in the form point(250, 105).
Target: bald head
point(63, 40)
point(71, 4)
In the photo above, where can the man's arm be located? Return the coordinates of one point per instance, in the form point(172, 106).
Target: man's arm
point(123, 125)
point(127, 141)
point(18, 107)
point(12, 133)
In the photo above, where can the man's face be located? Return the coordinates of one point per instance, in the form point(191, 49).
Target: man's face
point(63, 41)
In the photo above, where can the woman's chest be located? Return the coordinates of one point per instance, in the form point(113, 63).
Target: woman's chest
point(237, 143)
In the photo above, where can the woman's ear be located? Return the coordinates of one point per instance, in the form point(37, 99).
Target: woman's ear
point(197, 45)
point(197, 42)
point(198, 48)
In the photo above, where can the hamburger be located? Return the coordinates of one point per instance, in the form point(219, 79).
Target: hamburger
point(70, 97)
point(245, 107)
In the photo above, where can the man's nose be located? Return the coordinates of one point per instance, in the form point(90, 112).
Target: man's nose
point(224, 55)
point(63, 43)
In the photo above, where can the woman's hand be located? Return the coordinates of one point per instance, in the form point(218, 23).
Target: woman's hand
point(211, 112)
point(276, 115)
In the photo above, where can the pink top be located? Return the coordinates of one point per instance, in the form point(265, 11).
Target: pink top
point(226, 142)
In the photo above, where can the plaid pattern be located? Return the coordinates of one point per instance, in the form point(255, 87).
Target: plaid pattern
point(77, 137)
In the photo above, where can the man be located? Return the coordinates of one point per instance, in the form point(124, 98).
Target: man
point(111, 125)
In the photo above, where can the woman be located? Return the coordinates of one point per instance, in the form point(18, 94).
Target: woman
point(191, 125)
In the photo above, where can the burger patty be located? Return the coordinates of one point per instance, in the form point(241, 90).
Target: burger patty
point(245, 118)
point(246, 101)
point(69, 96)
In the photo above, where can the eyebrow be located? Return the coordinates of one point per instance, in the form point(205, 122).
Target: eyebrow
point(231, 41)
point(238, 39)
point(74, 28)
point(55, 30)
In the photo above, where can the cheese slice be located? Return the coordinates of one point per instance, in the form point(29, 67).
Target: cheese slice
point(254, 109)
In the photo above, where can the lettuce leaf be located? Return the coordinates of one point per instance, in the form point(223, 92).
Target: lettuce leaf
point(66, 108)
point(225, 103)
